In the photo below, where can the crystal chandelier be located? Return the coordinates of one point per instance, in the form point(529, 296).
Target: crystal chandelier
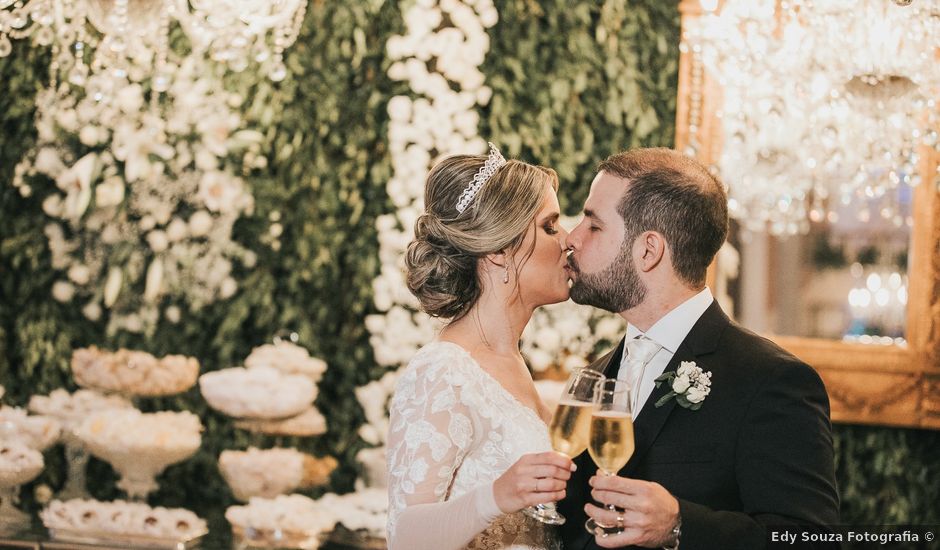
point(116, 37)
point(825, 105)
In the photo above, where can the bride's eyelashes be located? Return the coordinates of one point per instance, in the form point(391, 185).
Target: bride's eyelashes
point(550, 229)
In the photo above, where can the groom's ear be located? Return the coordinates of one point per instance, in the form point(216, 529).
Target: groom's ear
point(650, 250)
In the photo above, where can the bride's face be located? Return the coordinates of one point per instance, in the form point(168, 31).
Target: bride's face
point(543, 275)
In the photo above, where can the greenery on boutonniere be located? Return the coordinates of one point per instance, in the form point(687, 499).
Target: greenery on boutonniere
point(690, 385)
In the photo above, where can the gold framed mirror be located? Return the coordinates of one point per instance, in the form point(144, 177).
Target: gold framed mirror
point(871, 383)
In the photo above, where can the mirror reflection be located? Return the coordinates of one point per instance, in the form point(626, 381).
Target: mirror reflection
point(844, 279)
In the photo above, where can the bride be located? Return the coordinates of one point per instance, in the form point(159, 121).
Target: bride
point(468, 444)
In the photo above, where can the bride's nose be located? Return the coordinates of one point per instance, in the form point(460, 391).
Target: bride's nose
point(562, 238)
point(568, 243)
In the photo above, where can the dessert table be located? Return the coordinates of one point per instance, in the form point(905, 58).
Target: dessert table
point(219, 538)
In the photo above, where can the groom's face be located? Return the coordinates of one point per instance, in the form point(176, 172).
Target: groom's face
point(601, 264)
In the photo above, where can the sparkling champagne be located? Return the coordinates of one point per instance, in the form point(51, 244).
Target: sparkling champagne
point(611, 440)
point(569, 428)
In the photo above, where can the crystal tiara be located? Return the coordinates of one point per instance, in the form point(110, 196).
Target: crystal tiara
point(493, 163)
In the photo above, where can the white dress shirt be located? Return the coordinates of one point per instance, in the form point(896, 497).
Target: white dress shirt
point(669, 331)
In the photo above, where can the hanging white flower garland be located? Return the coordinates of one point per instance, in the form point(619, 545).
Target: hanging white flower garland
point(441, 120)
point(145, 199)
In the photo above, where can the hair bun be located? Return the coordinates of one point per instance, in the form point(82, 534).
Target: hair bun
point(443, 260)
point(440, 276)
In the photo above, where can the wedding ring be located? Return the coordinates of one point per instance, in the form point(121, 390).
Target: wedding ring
point(619, 520)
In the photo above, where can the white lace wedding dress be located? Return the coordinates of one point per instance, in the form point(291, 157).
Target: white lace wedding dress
point(454, 430)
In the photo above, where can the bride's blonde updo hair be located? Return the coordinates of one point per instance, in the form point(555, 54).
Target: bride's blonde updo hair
point(442, 259)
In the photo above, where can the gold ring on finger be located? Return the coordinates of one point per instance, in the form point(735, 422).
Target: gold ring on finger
point(620, 520)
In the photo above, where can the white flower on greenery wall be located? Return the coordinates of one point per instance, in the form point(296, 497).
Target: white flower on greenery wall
point(439, 56)
point(373, 398)
point(566, 335)
point(441, 63)
point(145, 193)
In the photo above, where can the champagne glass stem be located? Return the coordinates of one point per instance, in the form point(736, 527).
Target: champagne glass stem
point(603, 529)
point(545, 513)
point(609, 507)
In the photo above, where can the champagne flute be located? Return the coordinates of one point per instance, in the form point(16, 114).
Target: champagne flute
point(568, 430)
point(611, 438)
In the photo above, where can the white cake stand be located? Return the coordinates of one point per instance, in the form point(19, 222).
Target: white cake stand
point(12, 518)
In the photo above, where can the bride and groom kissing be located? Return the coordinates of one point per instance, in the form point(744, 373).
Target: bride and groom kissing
point(739, 442)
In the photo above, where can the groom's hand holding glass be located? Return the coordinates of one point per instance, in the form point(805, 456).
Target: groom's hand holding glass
point(649, 512)
point(636, 512)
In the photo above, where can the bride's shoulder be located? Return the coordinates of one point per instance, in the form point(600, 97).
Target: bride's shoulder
point(440, 361)
point(441, 351)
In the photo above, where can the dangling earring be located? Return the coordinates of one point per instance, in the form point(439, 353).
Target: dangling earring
point(506, 276)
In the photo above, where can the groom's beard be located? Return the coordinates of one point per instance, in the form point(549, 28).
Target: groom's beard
point(616, 288)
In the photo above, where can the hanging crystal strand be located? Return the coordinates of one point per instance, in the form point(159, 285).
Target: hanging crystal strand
point(72, 40)
point(695, 97)
point(118, 45)
point(298, 22)
point(59, 52)
point(278, 70)
point(65, 18)
point(54, 67)
point(284, 35)
point(161, 79)
point(817, 210)
point(79, 72)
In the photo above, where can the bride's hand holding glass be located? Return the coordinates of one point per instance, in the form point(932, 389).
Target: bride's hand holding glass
point(568, 431)
point(534, 478)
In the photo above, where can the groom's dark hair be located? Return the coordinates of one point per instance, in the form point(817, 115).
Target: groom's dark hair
point(677, 197)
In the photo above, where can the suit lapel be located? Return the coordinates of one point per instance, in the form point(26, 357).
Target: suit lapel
point(701, 340)
point(609, 364)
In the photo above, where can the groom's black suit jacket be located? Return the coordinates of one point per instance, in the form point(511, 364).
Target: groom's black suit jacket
point(757, 454)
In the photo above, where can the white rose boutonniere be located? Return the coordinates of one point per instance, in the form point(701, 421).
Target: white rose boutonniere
point(689, 383)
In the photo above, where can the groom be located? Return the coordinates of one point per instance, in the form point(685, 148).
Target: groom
point(744, 443)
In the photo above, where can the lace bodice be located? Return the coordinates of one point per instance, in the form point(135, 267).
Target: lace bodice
point(454, 428)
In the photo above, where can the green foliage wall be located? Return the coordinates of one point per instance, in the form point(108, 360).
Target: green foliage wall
point(326, 182)
point(572, 81)
point(888, 476)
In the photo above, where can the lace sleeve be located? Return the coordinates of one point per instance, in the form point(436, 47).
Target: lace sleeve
point(431, 431)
